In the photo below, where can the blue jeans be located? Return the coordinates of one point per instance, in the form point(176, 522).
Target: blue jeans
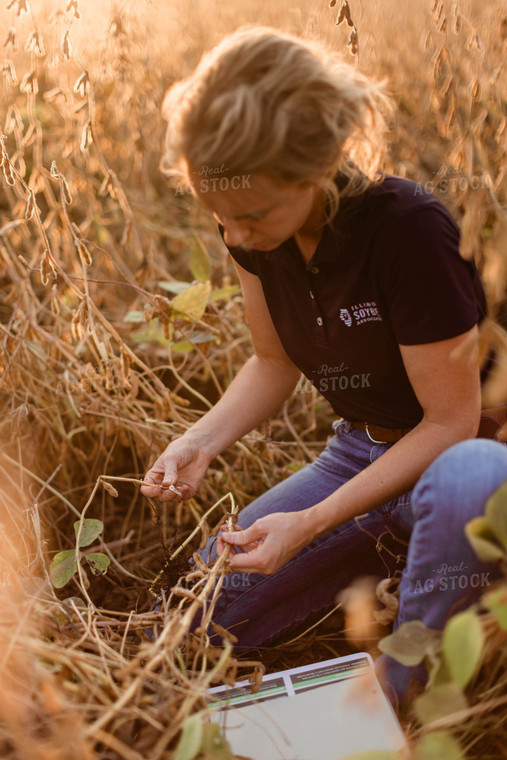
point(441, 572)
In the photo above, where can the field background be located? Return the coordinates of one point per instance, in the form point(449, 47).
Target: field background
point(100, 367)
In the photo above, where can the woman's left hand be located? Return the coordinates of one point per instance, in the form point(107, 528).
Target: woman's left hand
point(266, 545)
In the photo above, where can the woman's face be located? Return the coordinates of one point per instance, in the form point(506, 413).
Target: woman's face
point(259, 212)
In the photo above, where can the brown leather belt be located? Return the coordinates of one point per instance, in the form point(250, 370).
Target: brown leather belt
point(379, 434)
point(493, 423)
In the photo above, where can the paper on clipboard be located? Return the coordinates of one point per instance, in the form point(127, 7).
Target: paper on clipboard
point(323, 711)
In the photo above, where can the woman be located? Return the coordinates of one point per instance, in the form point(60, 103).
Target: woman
point(354, 279)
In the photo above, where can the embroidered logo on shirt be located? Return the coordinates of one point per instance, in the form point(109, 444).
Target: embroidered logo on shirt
point(366, 311)
point(345, 317)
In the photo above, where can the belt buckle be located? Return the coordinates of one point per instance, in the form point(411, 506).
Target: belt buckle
point(372, 439)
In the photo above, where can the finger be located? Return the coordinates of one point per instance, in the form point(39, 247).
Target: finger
point(170, 475)
point(152, 483)
point(225, 528)
point(177, 488)
point(247, 563)
point(243, 537)
point(181, 491)
point(165, 470)
point(153, 479)
point(161, 481)
point(150, 487)
point(221, 546)
point(165, 495)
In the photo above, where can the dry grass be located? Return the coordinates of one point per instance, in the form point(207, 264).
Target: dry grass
point(88, 231)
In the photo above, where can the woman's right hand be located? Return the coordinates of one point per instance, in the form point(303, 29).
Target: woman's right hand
point(183, 464)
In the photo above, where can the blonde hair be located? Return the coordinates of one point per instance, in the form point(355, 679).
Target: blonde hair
point(265, 101)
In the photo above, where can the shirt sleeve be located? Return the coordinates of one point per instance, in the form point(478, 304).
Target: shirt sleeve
point(431, 293)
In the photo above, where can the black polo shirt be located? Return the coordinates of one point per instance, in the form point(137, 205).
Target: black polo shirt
point(387, 271)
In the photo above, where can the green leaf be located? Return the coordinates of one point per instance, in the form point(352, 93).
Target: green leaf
point(98, 562)
point(439, 701)
point(199, 261)
point(496, 512)
point(192, 303)
point(190, 741)
point(62, 568)
point(134, 316)
point(198, 336)
point(438, 671)
point(439, 744)
point(482, 540)
point(152, 334)
point(410, 643)
point(89, 532)
point(174, 286)
point(213, 745)
point(225, 293)
point(462, 644)
point(61, 617)
point(496, 602)
point(201, 336)
point(182, 347)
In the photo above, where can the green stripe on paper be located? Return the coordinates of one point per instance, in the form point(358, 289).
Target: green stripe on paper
point(225, 701)
point(330, 677)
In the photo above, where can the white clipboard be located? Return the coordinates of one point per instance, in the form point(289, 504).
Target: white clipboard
point(323, 711)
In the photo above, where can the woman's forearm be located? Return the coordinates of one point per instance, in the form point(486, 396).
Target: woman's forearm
point(388, 477)
point(256, 393)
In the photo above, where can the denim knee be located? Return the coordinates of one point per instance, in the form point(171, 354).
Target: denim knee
point(461, 480)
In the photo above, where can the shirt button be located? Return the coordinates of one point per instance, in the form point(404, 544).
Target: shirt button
point(311, 294)
point(315, 270)
point(319, 321)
